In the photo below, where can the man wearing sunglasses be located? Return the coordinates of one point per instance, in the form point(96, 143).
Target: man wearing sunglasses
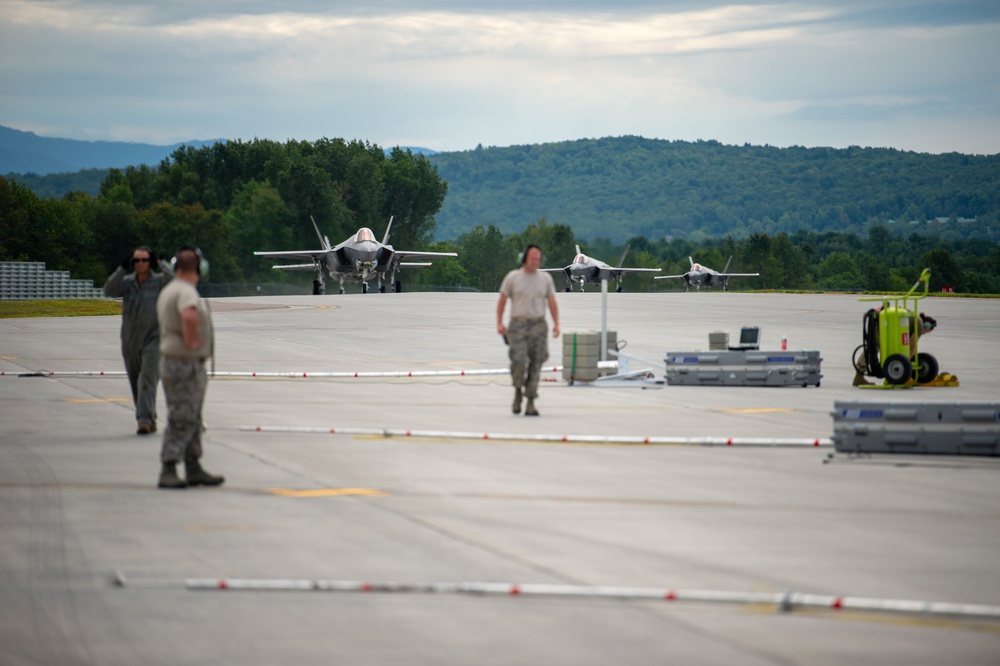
point(138, 281)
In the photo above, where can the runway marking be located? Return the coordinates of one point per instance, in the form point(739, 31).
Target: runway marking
point(87, 400)
point(326, 492)
point(936, 614)
point(759, 410)
point(877, 618)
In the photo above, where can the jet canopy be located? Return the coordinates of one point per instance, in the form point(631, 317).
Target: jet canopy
point(580, 259)
point(364, 234)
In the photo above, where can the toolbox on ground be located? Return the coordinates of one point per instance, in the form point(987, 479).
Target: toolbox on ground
point(917, 427)
point(744, 368)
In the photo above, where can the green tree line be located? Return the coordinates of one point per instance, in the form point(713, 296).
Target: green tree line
point(230, 199)
point(881, 261)
point(233, 198)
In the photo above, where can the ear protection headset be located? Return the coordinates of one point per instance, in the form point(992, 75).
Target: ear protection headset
point(202, 267)
point(154, 264)
point(528, 248)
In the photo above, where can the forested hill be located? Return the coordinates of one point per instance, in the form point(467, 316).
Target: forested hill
point(620, 187)
point(26, 152)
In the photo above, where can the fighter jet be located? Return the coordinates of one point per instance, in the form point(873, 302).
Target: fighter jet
point(358, 259)
point(585, 269)
point(700, 276)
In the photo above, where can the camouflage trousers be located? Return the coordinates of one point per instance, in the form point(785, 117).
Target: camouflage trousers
point(184, 384)
point(528, 340)
point(143, 369)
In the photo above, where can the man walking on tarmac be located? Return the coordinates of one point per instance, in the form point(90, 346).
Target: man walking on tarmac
point(528, 290)
point(138, 282)
point(186, 338)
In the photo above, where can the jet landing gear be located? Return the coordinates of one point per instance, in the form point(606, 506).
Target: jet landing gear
point(319, 288)
point(395, 287)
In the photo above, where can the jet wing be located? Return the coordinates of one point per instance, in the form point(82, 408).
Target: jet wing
point(402, 255)
point(414, 264)
point(296, 267)
point(670, 277)
point(314, 255)
point(565, 271)
point(636, 270)
point(729, 275)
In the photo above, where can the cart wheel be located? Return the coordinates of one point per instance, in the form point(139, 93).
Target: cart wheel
point(898, 369)
point(928, 368)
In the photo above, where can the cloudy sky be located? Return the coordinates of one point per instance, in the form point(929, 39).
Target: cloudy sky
point(917, 75)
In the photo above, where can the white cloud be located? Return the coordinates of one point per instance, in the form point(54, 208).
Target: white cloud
point(808, 73)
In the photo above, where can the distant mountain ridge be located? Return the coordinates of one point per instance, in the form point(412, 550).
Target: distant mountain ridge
point(26, 152)
point(617, 187)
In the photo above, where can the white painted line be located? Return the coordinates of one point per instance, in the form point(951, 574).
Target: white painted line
point(567, 438)
point(784, 600)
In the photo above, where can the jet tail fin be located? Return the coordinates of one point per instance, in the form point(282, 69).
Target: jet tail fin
point(691, 261)
point(324, 241)
point(622, 259)
point(385, 239)
point(726, 269)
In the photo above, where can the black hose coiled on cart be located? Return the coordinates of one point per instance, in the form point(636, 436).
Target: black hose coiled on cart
point(869, 337)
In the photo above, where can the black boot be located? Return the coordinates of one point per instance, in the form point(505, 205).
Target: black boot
point(169, 478)
point(516, 407)
point(196, 476)
point(529, 409)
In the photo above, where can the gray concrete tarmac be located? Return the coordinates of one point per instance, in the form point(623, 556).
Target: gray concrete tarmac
point(78, 500)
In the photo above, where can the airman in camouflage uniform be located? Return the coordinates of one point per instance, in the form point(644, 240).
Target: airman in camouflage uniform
point(138, 282)
point(185, 343)
point(529, 291)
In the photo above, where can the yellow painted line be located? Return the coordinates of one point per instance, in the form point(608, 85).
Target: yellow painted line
point(86, 400)
point(325, 492)
point(759, 410)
